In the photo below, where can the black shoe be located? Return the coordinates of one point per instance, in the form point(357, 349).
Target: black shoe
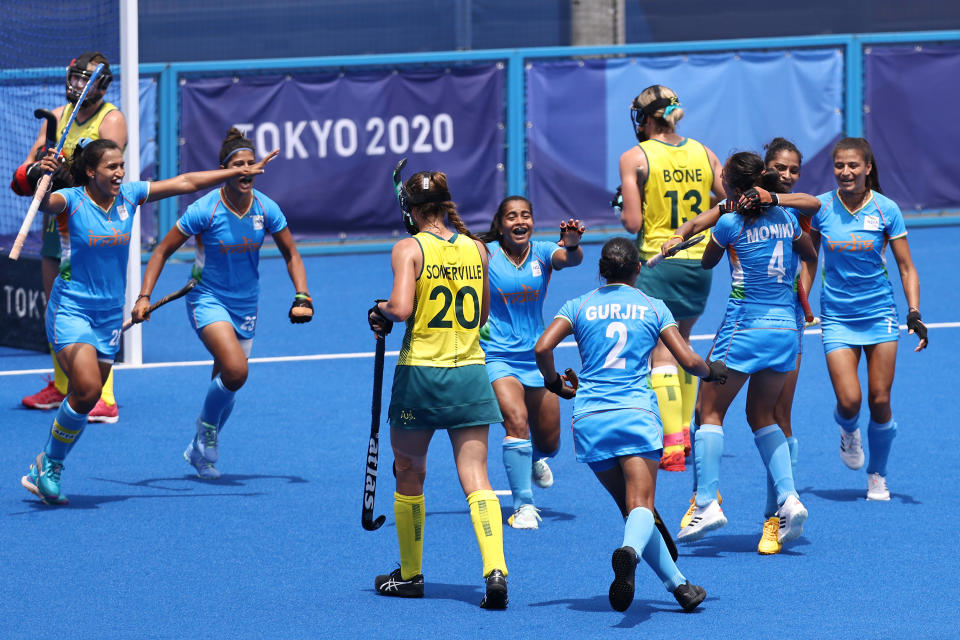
point(394, 585)
point(689, 596)
point(624, 561)
point(496, 595)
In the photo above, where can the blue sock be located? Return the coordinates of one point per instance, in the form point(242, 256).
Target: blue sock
point(537, 453)
point(773, 448)
point(693, 449)
point(879, 439)
point(771, 507)
point(847, 424)
point(639, 533)
point(67, 427)
point(218, 397)
point(227, 410)
point(709, 449)
point(517, 460)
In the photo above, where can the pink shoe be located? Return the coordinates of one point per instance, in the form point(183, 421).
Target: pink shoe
point(104, 412)
point(46, 398)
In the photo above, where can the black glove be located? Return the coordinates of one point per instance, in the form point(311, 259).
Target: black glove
point(378, 322)
point(302, 308)
point(718, 372)
point(914, 324)
point(557, 387)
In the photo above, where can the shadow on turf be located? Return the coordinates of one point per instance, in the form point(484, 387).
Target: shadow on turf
point(226, 480)
point(442, 591)
point(856, 495)
point(640, 611)
point(718, 546)
point(545, 514)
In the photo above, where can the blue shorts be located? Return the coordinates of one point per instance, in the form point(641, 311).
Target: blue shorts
point(522, 366)
point(205, 308)
point(849, 334)
point(606, 435)
point(754, 337)
point(69, 323)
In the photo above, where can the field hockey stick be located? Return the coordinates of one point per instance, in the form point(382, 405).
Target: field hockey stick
point(176, 295)
point(572, 378)
point(686, 244)
point(667, 538)
point(804, 302)
point(51, 124)
point(373, 449)
point(45, 180)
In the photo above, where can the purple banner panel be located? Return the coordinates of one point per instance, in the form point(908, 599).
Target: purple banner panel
point(340, 136)
point(910, 99)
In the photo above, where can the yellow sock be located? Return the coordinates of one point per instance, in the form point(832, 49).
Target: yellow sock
point(409, 514)
point(106, 394)
point(688, 396)
point(488, 525)
point(667, 388)
point(59, 377)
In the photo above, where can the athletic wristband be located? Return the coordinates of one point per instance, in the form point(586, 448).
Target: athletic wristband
point(142, 295)
point(775, 199)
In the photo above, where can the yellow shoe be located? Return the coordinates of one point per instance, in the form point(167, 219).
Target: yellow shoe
point(768, 542)
point(685, 520)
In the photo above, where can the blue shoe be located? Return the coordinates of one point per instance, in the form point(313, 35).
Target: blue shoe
point(205, 468)
point(41, 484)
point(206, 440)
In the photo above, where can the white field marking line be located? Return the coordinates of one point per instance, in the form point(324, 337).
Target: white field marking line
point(370, 354)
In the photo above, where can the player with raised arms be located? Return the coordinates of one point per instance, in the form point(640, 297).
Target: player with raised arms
point(229, 224)
point(616, 428)
point(667, 179)
point(441, 291)
point(783, 157)
point(758, 339)
point(520, 270)
point(85, 312)
point(95, 119)
point(855, 224)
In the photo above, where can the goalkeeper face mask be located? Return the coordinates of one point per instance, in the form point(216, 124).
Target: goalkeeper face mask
point(408, 200)
point(78, 75)
point(639, 114)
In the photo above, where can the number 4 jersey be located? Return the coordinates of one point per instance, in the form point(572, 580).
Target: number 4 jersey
point(616, 328)
point(443, 330)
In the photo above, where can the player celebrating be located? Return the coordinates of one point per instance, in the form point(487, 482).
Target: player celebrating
point(95, 119)
point(520, 269)
point(223, 306)
point(616, 429)
point(783, 157)
point(667, 179)
point(441, 291)
point(758, 339)
point(853, 228)
point(85, 312)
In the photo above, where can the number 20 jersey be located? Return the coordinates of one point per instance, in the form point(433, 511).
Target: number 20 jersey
point(616, 328)
point(444, 328)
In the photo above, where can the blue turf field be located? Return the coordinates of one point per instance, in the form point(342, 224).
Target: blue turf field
point(275, 549)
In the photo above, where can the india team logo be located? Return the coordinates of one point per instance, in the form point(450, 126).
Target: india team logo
point(257, 223)
point(122, 212)
point(535, 269)
point(871, 223)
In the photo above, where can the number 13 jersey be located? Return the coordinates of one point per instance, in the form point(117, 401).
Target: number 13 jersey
point(616, 328)
point(443, 330)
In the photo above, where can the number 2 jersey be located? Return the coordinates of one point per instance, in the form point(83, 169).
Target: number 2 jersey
point(443, 330)
point(616, 327)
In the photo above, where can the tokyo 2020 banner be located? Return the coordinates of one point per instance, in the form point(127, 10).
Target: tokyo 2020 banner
point(340, 136)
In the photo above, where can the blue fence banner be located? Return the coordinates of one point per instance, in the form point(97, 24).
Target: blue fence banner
point(910, 98)
point(340, 136)
point(578, 115)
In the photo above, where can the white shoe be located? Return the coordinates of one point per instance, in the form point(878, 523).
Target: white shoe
point(792, 514)
point(541, 473)
point(877, 487)
point(526, 517)
point(851, 449)
point(704, 519)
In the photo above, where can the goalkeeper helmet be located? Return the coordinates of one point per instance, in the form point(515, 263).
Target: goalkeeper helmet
point(78, 75)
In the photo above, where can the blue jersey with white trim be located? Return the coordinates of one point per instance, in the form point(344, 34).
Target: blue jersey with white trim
point(95, 245)
point(228, 243)
point(616, 328)
point(516, 297)
point(855, 281)
point(760, 251)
